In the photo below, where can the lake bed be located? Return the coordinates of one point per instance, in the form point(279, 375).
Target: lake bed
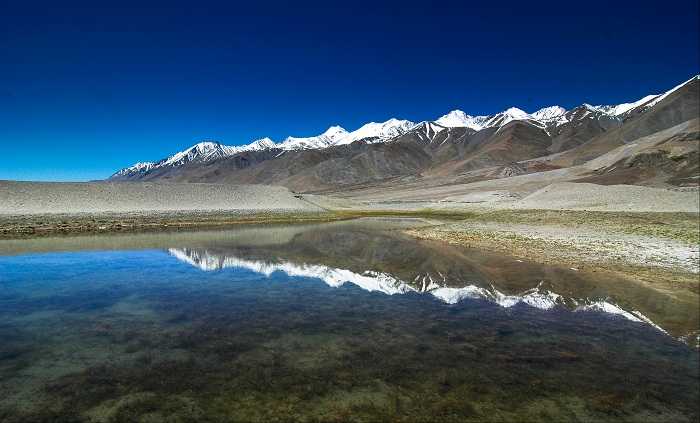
point(338, 321)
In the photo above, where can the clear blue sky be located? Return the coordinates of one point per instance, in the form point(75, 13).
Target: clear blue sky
point(86, 89)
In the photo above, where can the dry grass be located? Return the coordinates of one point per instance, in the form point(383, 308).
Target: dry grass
point(678, 226)
point(41, 225)
point(681, 227)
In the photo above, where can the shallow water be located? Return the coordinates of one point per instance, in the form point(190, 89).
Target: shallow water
point(341, 321)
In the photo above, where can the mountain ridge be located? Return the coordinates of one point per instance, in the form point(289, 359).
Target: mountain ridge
point(482, 140)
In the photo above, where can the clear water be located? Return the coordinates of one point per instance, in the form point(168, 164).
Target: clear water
point(332, 322)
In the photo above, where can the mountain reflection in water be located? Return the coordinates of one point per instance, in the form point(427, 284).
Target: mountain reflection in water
point(376, 259)
point(374, 281)
point(345, 321)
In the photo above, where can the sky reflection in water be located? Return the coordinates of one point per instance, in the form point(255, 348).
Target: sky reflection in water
point(333, 322)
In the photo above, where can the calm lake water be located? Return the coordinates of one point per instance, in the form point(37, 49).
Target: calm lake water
point(332, 322)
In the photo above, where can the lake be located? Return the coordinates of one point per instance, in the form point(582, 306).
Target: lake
point(338, 321)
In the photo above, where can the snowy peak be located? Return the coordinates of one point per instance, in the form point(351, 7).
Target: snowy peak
point(139, 167)
point(549, 114)
point(257, 145)
point(507, 116)
point(458, 118)
point(335, 135)
point(203, 151)
point(374, 131)
point(326, 139)
point(553, 115)
point(515, 113)
point(453, 119)
point(335, 132)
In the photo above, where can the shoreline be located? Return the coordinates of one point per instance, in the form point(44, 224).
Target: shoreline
point(658, 250)
point(671, 225)
point(24, 226)
point(38, 225)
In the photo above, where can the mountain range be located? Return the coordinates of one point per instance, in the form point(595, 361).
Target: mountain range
point(461, 148)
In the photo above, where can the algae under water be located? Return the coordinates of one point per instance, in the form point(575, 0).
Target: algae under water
point(344, 321)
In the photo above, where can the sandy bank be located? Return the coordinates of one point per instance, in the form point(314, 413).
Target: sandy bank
point(33, 198)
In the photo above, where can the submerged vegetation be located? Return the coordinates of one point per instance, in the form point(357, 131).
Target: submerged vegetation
point(120, 336)
point(242, 348)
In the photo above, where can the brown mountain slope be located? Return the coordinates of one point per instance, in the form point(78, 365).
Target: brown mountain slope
point(431, 154)
point(669, 157)
point(308, 169)
point(583, 125)
point(680, 106)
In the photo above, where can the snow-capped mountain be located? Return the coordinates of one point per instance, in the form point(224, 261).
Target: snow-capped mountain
point(140, 167)
point(658, 98)
point(547, 118)
point(335, 135)
point(377, 131)
point(620, 109)
point(331, 137)
point(203, 151)
point(506, 116)
point(643, 103)
point(458, 118)
point(550, 115)
point(258, 145)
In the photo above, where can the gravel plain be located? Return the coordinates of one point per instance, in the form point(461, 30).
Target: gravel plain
point(585, 196)
point(33, 198)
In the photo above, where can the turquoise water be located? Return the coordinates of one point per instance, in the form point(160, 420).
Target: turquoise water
point(330, 322)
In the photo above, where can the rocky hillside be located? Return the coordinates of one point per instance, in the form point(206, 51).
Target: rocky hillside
point(458, 148)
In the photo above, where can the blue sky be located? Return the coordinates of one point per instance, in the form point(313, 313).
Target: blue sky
point(86, 89)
